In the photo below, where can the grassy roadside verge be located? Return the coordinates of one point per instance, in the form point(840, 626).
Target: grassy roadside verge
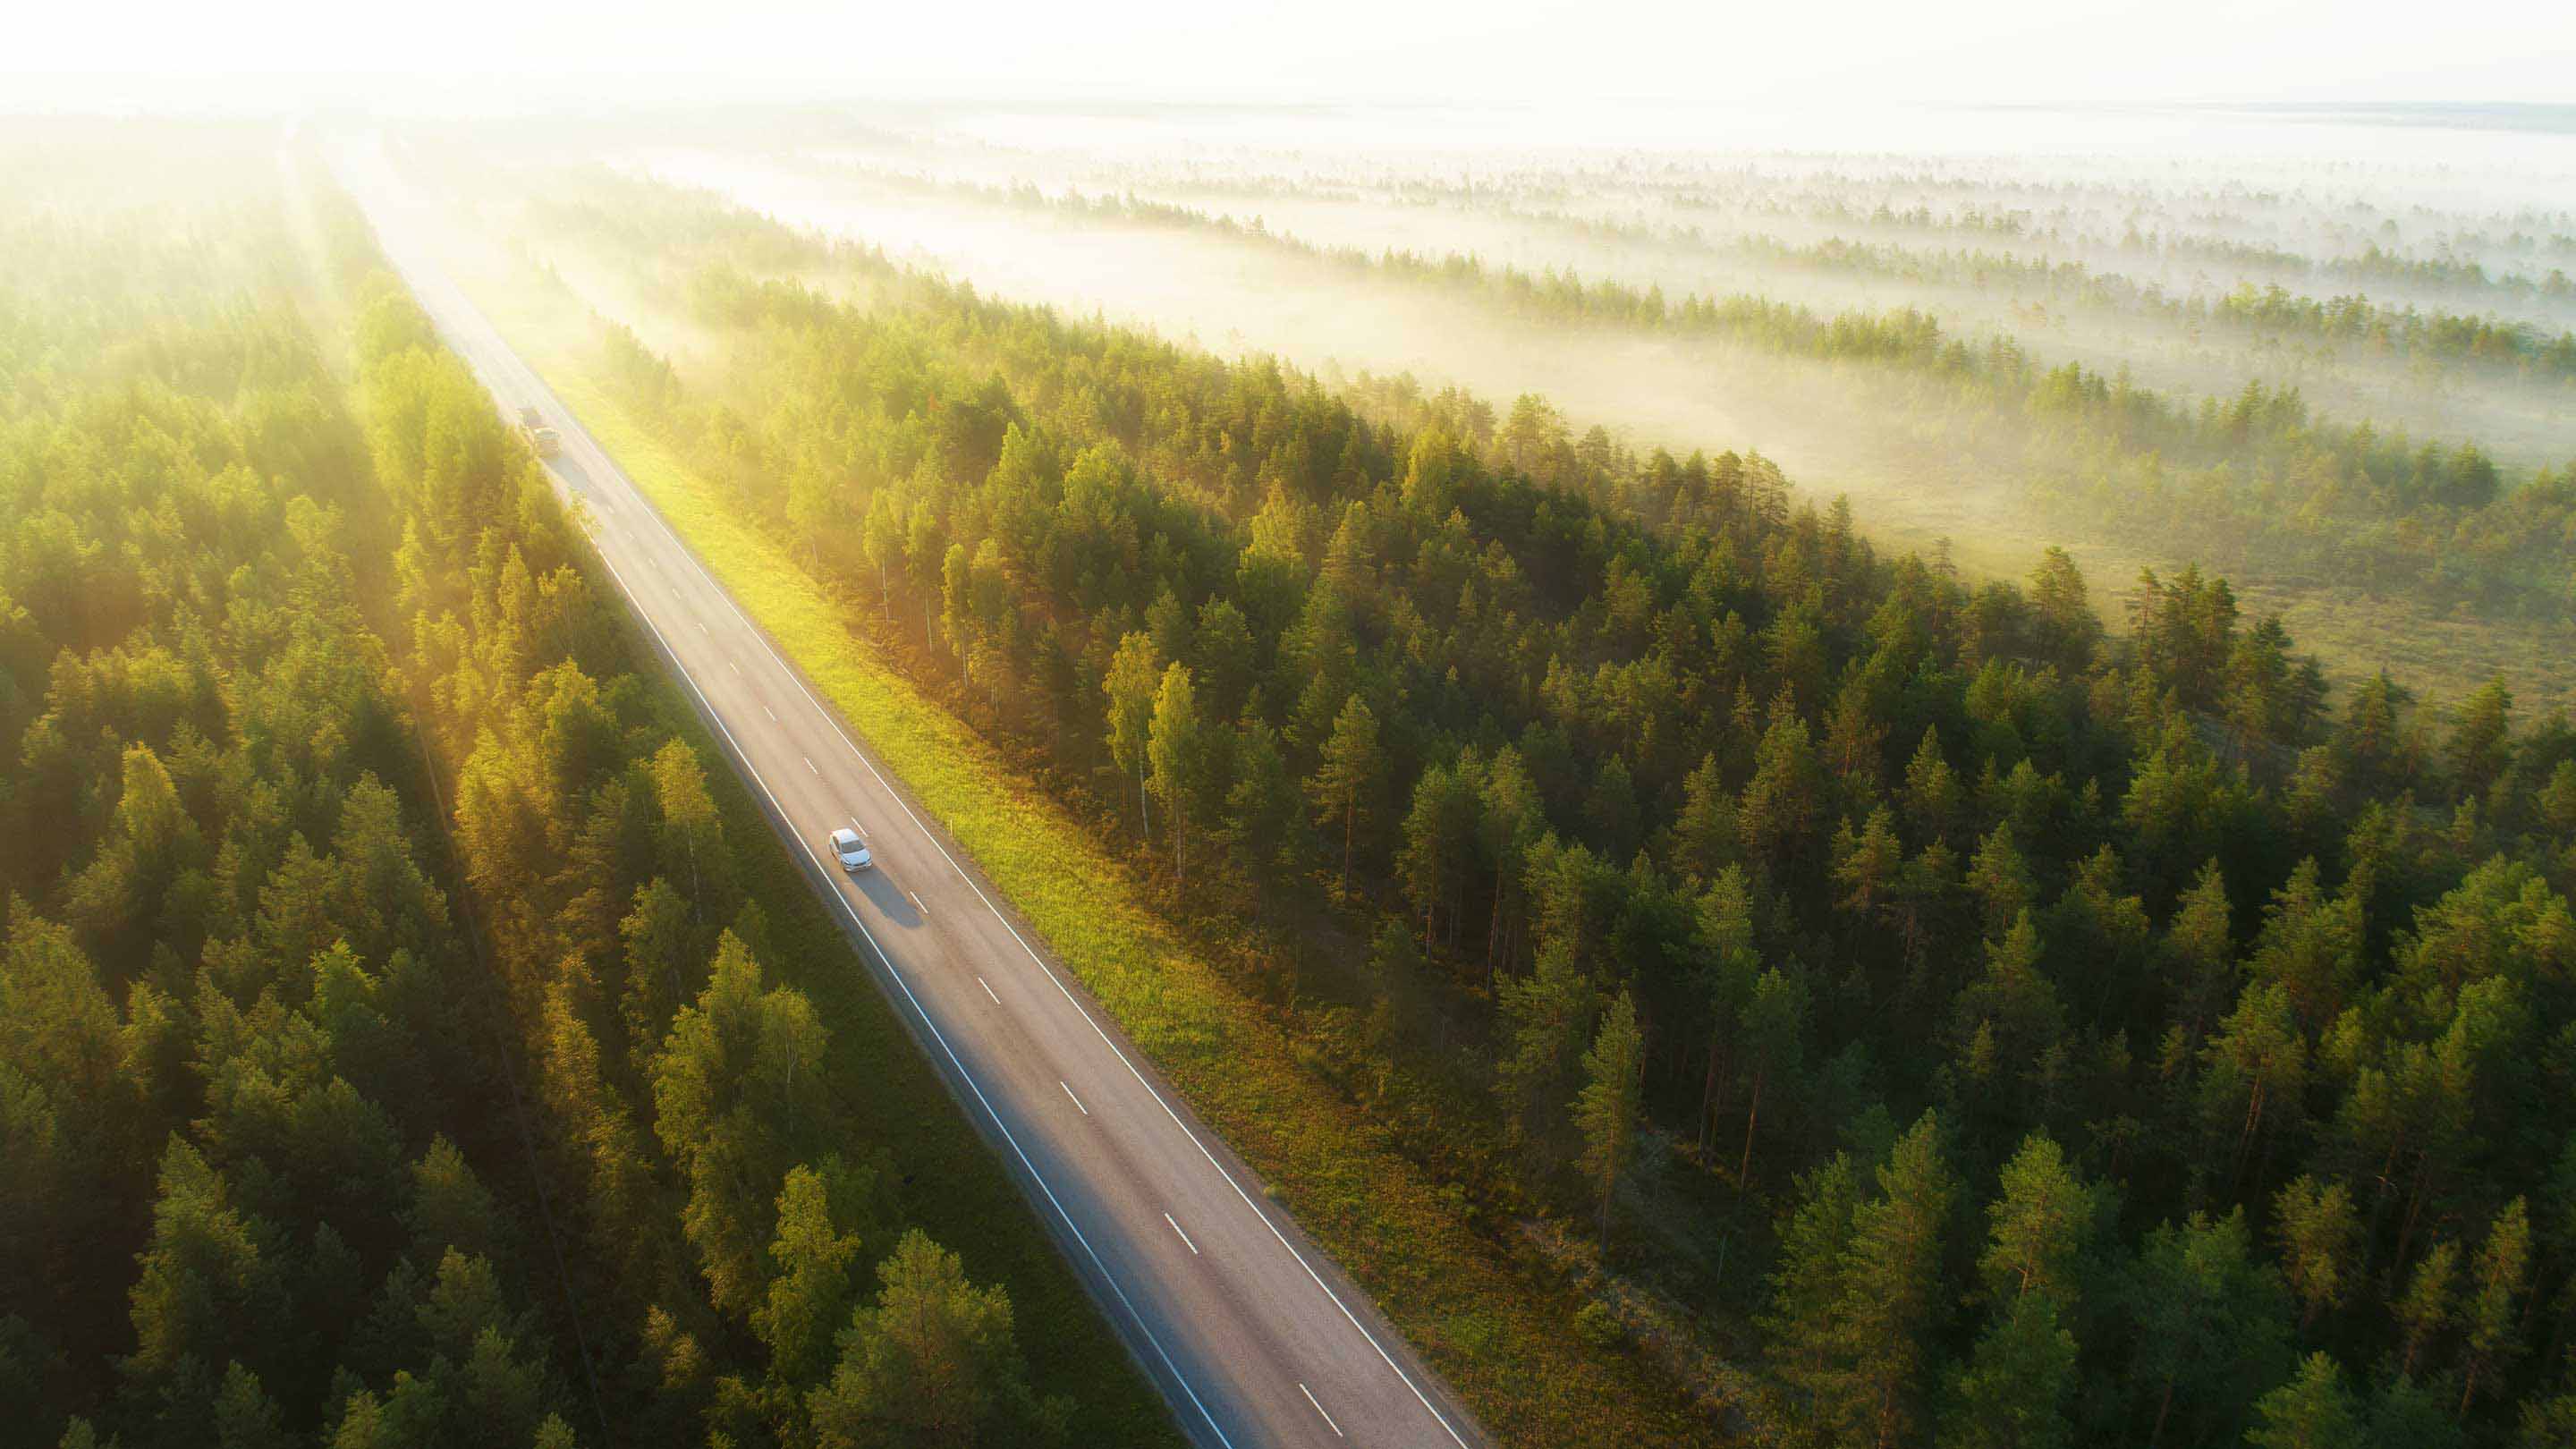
point(1497, 1333)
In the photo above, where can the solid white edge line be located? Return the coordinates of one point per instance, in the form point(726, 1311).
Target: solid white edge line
point(1185, 1238)
point(1319, 1408)
point(936, 1035)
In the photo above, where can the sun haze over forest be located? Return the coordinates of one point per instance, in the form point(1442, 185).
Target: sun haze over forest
point(1513, 725)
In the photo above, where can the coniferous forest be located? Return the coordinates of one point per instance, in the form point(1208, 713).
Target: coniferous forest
point(1994, 1027)
point(1711, 956)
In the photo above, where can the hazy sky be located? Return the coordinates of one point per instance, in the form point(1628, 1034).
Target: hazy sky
point(472, 54)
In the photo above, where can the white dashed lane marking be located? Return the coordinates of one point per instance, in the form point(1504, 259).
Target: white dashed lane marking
point(1185, 1238)
point(1319, 1408)
point(1077, 1101)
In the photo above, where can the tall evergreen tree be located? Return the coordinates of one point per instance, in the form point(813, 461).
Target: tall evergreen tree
point(1607, 1110)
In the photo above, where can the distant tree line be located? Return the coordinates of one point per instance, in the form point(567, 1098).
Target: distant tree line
point(2255, 481)
point(2271, 311)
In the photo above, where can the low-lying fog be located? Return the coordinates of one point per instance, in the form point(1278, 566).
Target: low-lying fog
point(2430, 180)
point(1226, 291)
point(1237, 299)
point(1829, 426)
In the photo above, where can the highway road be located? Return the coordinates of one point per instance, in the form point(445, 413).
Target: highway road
point(1253, 1334)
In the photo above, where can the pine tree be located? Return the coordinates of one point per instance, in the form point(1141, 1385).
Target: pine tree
point(1866, 864)
point(2000, 877)
point(1548, 1015)
point(2481, 740)
point(1511, 820)
point(1261, 805)
point(662, 955)
point(810, 1296)
point(1860, 1297)
point(1346, 776)
point(692, 835)
point(1800, 1332)
point(933, 1360)
point(2041, 1226)
point(2490, 1316)
point(2062, 614)
point(2199, 962)
point(735, 1102)
point(2209, 1325)
point(1704, 831)
point(2258, 1065)
point(2312, 1411)
point(2014, 1392)
point(1774, 1047)
point(1177, 745)
point(2317, 1232)
point(1607, 1110)
point(2311, 946)
point(1932, 797)
point(1439, 832)
point(2424, 1310)
point(245, 1417)
point(1728, 971)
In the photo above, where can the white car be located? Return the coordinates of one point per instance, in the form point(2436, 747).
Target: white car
point(853, 852)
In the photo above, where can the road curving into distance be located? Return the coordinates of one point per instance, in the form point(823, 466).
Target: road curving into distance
point(1250, 1332)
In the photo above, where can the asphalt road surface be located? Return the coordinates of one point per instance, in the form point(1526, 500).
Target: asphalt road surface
point(1251, 1333)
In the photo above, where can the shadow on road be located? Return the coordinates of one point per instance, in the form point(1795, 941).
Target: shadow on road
point(575, 477)
point(889, 898)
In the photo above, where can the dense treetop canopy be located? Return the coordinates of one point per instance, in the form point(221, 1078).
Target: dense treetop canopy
point(2088, 1032)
